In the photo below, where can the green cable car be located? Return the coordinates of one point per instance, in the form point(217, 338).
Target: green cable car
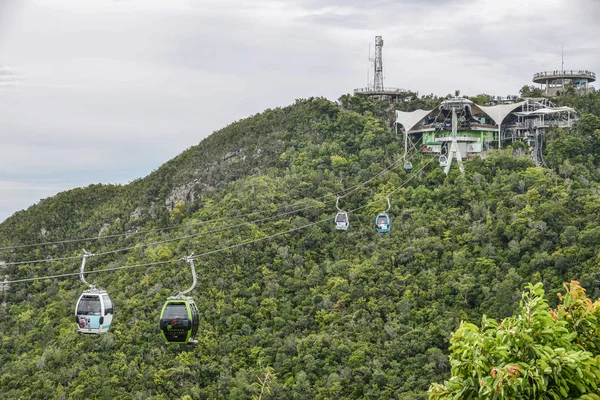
point(179, 320)
point(179, 317)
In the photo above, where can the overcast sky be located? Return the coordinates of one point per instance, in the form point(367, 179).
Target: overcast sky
point(105, 91)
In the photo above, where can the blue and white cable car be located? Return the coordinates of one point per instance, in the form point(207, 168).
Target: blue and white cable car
point(94, 312)
point(383, 222)
point(94, 309)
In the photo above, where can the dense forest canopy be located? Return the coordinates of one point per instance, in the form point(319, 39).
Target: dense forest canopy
point(312, 313)
point(540, 353)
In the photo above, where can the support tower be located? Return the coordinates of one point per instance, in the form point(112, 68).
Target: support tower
point(457, 106)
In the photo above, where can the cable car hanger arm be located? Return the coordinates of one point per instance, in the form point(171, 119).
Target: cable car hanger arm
point(189, 260)
point(85, 255)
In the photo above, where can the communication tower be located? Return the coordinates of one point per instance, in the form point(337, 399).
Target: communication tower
point(376, 88)
point(378, 64)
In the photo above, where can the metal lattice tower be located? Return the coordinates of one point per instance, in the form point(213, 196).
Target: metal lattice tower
point(455, 105)
point(378, 64)
point(375, 88)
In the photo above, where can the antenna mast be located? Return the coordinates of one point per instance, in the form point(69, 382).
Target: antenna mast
point(562, 67)
point(368, 72)
point(562, 54)
point(378, 64)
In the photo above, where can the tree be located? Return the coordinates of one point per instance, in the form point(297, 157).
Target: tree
point(540, 353)
point(530, 91)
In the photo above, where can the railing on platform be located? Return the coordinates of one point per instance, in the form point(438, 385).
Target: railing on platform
point(378, 90)
point(580, 72)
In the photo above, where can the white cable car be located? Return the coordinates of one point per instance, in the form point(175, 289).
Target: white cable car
point(341, 221)
point(408, 166)
point(443, 161)
point(341, 218)
point(94, 309)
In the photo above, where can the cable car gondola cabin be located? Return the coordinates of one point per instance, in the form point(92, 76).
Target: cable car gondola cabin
point(408, 166)
point(341, 221)
point(382, 223)
point(179, 321)
point(443, 161)
point(94, 312)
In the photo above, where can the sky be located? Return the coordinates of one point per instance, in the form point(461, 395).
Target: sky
point(105, 91)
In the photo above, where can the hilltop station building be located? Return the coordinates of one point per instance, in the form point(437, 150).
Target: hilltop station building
point(480, 128)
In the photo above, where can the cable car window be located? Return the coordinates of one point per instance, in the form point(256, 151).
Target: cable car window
point(341, 218)
point(89, 305)
point(108, 307)
point(173, 311)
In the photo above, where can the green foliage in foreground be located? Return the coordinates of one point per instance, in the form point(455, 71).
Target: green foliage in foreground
point(540, 353)
point(310, 314)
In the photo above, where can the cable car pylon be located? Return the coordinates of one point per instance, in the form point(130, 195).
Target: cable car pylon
point(94, 309)
point(179, 318)
point(407, 164)
point(454, 151)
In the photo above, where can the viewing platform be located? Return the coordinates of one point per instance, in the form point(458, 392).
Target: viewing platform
point(541, 77)
point(553, 81)
point(392, 92)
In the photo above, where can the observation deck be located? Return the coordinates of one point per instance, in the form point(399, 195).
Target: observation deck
point(542, 77)
point(557, 80)
point(380, 92)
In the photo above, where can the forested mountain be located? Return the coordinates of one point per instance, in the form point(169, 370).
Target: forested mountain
point(287, 300)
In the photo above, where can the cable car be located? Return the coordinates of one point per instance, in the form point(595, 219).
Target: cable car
point(382, 223)
point(341, 221)
point(94, 309)
point(179, 320)
point(94, 312)
point(341, 218)
point(408, 166)
point(443, 161)
point(179, 317)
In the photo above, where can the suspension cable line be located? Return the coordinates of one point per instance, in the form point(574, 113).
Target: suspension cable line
point(342, 193)
point(391, 167)
point(169, 261)
point(69, 274)
point(140, 246)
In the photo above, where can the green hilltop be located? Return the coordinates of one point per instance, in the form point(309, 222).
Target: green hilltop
point(313, 313)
